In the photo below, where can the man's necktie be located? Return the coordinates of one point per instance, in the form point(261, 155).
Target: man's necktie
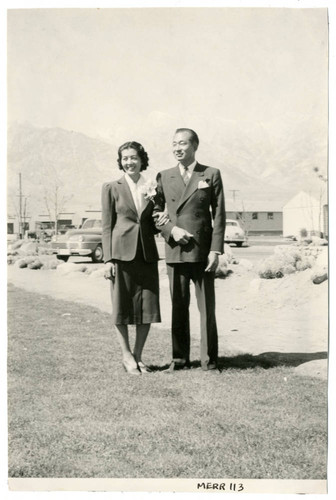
point(185, 175)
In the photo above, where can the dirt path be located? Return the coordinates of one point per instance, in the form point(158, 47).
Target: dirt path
point(254, 316)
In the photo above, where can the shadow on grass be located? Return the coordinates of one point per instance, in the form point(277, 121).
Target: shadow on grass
point(269, 359)
point(265, 360)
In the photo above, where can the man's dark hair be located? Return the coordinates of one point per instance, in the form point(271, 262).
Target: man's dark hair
point(139, 149)
point(194, 136)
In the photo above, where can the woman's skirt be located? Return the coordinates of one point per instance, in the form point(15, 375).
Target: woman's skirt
point(135, 292)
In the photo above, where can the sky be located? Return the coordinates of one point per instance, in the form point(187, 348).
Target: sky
point(120, 73)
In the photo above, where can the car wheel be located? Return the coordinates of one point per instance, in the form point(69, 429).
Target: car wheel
point(97, 255)
point(65, 258)
point(239, 243)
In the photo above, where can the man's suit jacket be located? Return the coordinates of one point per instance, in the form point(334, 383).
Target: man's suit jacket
point(122, 225)
point(198, 207)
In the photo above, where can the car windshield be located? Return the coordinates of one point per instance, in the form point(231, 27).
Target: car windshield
point(92, 223)
point(231, 223)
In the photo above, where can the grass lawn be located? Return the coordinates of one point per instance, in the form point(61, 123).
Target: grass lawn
point(74, 412)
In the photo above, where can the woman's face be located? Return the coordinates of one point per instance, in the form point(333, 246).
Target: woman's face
point(130, 162)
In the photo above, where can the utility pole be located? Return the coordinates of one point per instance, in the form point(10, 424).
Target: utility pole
point(20, 207)
point(22, 216)
point(234, 191)
point(324, 179)
point(56, 211)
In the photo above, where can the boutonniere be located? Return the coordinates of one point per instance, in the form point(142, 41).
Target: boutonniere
point(203, 185)
point(149, 190)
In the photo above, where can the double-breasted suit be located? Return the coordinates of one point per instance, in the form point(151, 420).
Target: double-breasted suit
point(129, 242)
point(199, 208)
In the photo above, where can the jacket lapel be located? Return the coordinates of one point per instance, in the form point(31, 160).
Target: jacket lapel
point(192, 186)
point(176, 182)
point(124, 187)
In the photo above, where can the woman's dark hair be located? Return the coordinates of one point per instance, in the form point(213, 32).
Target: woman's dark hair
point(139, 149)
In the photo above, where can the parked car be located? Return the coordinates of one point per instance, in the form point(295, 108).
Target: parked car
point(86, 242)
point(64, 228)
point(234, 233)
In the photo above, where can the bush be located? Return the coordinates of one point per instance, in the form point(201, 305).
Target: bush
point(17, 244)
point(286, 260)
point(36, 264)
point(28, 249)
point(50, 264)
point(21, 263)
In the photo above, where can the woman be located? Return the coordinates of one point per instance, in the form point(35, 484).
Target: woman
point(130, 253)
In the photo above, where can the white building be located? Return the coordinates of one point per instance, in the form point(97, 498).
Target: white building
point(305, 213)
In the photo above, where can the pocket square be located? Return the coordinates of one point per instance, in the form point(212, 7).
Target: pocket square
point(202, 185)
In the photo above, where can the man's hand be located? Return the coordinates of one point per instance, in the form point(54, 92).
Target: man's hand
point(109, 271)
point(161, 218)
point(181, 236)
point(212, 262)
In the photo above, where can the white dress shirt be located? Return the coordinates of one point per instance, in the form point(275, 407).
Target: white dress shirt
point(137, 195)
point(189, 170)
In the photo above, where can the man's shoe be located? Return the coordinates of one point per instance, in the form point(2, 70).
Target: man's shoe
point(210, 366)
point(144, 368)
point(177, 366)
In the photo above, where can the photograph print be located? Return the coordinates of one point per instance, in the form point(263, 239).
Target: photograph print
point(167, 249)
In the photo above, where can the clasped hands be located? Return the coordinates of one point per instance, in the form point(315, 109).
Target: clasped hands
point(182, 237)
point(161, 218)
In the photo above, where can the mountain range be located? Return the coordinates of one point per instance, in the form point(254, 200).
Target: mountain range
point(254, 168)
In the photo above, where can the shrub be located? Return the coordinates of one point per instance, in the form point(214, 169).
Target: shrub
point(36, 264)
point(17, 244)
point(21, 263)
point(50, 264)
point(286, 260)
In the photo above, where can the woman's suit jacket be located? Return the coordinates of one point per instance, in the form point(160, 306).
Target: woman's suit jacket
point(122, 226)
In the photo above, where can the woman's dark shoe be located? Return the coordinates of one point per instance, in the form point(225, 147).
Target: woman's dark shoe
point(143, 368)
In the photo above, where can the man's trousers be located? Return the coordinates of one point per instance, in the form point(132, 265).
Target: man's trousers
point(180, 276)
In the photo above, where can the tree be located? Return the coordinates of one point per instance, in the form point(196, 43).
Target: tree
point(245, 221)
point(54, 199)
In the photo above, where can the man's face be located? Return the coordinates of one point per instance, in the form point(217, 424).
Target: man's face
point(183, 149)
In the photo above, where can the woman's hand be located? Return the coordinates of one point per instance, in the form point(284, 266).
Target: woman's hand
point(161, 218)
point(109, 271)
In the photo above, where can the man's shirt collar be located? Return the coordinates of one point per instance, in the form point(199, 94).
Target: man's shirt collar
point(190, 167)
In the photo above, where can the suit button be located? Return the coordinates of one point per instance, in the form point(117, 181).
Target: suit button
point(197, 214)
point(198, 232)
point(173, 199)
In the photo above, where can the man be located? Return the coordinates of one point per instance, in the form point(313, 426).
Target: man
point(193, 196)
